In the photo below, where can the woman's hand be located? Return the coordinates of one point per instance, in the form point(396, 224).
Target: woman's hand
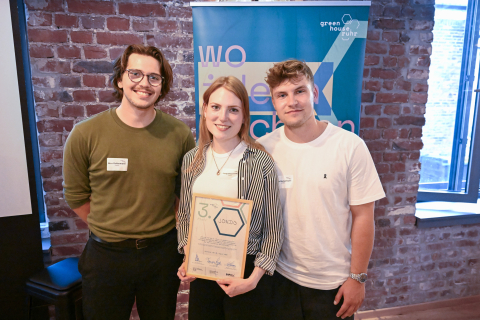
point(235, 286)
point(182, 275)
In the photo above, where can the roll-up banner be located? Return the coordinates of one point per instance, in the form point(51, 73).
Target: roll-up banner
point(245, 39)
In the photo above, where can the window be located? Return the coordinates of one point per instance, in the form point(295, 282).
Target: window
point(451, 154)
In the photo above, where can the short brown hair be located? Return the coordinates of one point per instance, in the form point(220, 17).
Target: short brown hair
point(235, 86)
point(288, 70)
point(120, 65)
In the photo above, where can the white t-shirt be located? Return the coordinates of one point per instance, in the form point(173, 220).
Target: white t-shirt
point(225, 184)
point(319, 180)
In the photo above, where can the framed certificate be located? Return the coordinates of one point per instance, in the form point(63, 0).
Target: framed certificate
point(218, 237)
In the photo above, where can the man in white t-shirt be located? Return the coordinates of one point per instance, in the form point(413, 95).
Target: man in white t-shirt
point(328, 186)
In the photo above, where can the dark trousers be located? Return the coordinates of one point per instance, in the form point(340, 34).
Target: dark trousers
point(113, 278)
point(209, 302)
point(295, 302)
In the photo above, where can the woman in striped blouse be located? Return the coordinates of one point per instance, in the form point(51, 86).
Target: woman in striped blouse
point(227, 162)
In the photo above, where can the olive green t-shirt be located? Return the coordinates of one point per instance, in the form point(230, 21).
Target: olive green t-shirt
point(129, 175)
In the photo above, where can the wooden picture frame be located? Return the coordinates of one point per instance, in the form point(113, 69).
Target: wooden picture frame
point(217, 237)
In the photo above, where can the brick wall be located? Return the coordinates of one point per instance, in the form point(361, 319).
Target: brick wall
point(72, 44)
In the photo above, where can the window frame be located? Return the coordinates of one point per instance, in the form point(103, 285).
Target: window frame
point(467, 75)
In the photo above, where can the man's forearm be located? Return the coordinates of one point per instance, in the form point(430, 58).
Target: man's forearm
point(83, 211)
point(362, 236)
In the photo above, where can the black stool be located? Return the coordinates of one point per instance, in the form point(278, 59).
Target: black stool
point(60, 285)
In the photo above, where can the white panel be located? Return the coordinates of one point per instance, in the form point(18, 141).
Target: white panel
point(14, 187)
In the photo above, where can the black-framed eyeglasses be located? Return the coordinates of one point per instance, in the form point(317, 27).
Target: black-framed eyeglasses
point(153, 78)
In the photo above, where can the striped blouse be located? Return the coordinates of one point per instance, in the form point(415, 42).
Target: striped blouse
point(257, 181)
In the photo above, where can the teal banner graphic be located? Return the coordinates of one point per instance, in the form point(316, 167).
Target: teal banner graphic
point(245, 39)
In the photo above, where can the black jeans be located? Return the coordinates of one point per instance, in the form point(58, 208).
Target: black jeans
point(295, 302)
point(209, 302)
point(113, 278)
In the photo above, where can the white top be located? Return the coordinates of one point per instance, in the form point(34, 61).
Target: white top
point(225, 184)
point(318, 182)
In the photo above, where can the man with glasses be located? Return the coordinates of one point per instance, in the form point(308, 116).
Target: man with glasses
point(122, 177)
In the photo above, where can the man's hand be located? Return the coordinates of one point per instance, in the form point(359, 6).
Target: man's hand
point(182, 275)
point(353, 293)
point(235, 286)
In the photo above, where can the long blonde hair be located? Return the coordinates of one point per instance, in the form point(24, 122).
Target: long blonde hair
point(235, 86)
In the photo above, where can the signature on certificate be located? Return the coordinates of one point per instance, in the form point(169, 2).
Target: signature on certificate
point(231, 264)
point(197, 258)
point(215, 263)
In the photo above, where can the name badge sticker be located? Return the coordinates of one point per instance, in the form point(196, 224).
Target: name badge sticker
point(231, 174)
point(285, 182)
point(117, 164)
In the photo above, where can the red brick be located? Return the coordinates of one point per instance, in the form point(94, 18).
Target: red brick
point(177, 95)
point(420, 87)
point(80, 225)
point(187, 27)
point(423, 61)
point(188, 83)
point(373, 85)
point(371, 134)
point(391, 156)
point(118, 24)
point(143, 25)
point(49, 155)
point(39, 19)
point(94, 81)
point(50, 36)
point(116, 52)
point(371, 60)
point(384, 123)
point(91, 7)
point(391, 110)
point(41, 51)
point(184, 69)
point(396, 50)
point(46, 82)
point(66, 21)
point(51, 5)
point(392, 11)
point(415, 132)
point(388, 84)
point(142, 9)
point(95, 108)
point(417, 49)
point(93, 22)
point(180, 12)
point(106, 96)
point(94, 52)
point(401, 84)
point(167, 25)
point(373, 110)
point(390, 134)
point(398, 167)
point(391, 97)
point(46, 110)
point(403, 62)
point(410, 145)
point(390, 36)
point(50, 140)
point(68, 250)
point(419, 97)
point(118, 38)
point(171, 42)
point(81, 36)
point(373, 35)
point(54, 125)
point(421, 25)
point(367, 96)
point(69, 238)
point(389, 24)
point(53, 66)
point(376, 47)
point(69, 52)
point(70, 81)
point(384, 73)
point(73, 111)
point(53, 185)
point(366, 72)
point(389, 61)
point(84, 95)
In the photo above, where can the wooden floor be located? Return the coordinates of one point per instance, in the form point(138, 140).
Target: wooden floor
point(455, 309)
